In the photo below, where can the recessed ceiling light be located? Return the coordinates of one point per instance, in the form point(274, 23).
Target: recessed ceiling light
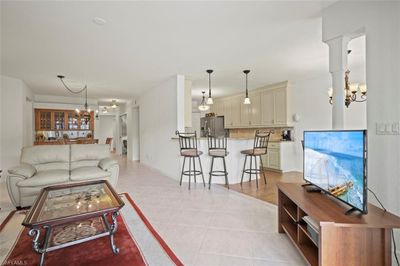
point(99, 21)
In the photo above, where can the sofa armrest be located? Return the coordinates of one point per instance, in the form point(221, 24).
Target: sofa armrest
point(25, 170)
point(107, 163)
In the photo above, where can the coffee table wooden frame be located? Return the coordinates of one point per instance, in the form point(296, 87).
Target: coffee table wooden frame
point(48, 225)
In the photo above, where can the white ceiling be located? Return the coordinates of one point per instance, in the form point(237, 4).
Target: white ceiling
point(145, 43)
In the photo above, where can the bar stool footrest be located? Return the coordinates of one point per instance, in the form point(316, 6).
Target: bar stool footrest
point(252, 171)
point(218, 173)
point(192, 172)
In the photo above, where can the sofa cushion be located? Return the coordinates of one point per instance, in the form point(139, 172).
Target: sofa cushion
point(46, 154)
point(24, 169)
point(81, 152)
point(46, 178)
point(88, 172)
point(84, 163)
point(52, 166)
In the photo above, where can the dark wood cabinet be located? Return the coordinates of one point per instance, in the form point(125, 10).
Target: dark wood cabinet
point(43, 119)
point(61, 120)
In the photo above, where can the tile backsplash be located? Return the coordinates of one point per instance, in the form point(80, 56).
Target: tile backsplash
point(250, 132)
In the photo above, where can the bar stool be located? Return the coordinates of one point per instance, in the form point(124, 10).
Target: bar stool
point(217, 149)
point(259, 148)
point(188, 147)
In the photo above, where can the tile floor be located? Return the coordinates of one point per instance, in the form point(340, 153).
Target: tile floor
point(203, 227)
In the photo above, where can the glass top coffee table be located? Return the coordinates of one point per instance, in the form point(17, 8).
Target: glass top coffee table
point(73, 213)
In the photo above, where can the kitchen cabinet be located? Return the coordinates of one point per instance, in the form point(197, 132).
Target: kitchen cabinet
point(236, 101)
point(232, 111)
point(254, 109)
point(54, 120)
point(227, 113)
point(59, 120)
point(272, 159)
point(218, 107)
point(274, 107)
point(43, 119)
point(280, 105)
point(267, 108)
point(270, 107)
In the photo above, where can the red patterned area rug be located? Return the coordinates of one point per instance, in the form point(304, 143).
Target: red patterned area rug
point(137, 240)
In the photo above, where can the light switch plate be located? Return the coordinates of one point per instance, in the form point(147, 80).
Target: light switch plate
point(388, 128)
point(396, 128)
point(380, 128)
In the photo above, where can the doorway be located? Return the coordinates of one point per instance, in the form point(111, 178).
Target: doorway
point(123, 131)
point(133, 133)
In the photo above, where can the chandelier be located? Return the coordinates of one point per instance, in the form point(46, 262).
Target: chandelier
point(203, 106)
point(86, 112)
point(351, 90)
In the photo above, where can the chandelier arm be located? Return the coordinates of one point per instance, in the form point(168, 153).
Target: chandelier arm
point(360, 101)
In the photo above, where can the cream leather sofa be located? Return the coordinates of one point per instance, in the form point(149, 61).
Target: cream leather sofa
point(47, 165)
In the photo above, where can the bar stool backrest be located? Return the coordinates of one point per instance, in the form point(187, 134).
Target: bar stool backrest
point(261, 140)
point(187, 141)
point(217, 142)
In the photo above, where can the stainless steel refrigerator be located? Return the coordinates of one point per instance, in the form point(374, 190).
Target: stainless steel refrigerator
point(212, 125)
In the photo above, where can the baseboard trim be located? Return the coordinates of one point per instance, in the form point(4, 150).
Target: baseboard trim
point(273, 170)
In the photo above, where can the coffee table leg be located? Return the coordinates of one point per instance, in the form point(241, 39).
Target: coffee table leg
point(113, 229)
point(41, 249)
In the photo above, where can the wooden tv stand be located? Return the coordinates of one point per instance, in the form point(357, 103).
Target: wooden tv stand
point(352, 239)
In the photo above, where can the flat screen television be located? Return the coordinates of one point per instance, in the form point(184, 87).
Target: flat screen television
point(336, 162)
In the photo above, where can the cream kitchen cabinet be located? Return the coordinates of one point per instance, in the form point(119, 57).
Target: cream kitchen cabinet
point(272, 159)
point(267, 108)
point(280, 105)
point(270, 107)
point(218, 107)
point(282, 156)
point(232, 111)
point(250, 114)
point(274, 107)
point(226, 106)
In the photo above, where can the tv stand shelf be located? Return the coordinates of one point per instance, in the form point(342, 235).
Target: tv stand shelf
point(352, 239)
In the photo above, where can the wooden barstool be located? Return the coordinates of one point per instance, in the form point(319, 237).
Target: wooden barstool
point(259, 148)
point(217, 149)
point(188, 147)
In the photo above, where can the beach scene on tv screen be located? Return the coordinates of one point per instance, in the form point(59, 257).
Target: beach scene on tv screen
point(334, 162)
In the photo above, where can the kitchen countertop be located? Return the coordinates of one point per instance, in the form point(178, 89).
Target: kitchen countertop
point(205, 138)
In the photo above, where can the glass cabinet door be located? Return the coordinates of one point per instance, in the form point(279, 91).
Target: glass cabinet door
point(45, 120)
point(59, 120)
point(85, 124)
point(73, 120)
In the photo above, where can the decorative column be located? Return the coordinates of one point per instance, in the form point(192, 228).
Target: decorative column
point(337, 67)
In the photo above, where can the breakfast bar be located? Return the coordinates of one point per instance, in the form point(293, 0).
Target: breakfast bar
point(235, 160)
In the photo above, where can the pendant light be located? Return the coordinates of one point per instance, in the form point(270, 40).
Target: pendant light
point(210, 99)
point(247, 99)
point(203, 106)
point(86, 112)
